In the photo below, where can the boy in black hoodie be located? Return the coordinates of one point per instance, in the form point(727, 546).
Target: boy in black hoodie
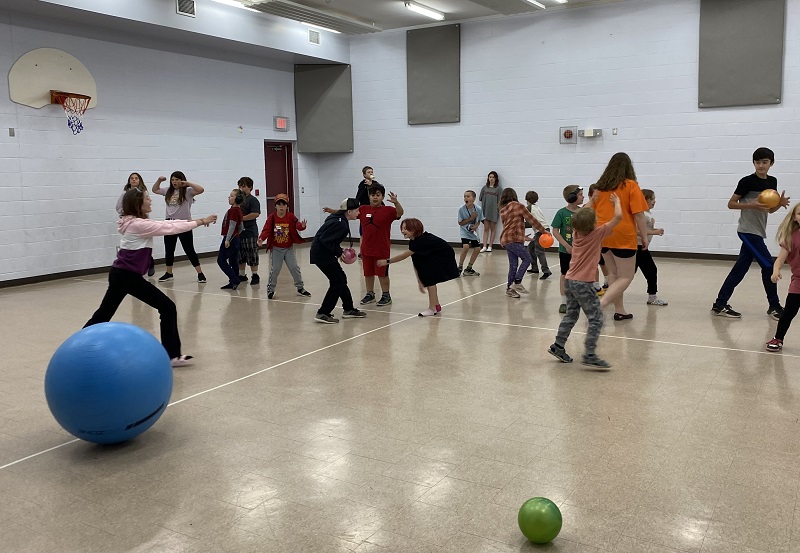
point(326, 252)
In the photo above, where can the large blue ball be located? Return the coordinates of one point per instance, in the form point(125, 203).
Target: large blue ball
point(108, 383)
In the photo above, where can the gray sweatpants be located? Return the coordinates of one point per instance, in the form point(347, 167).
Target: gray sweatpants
point(276, 258)
point(581, 295)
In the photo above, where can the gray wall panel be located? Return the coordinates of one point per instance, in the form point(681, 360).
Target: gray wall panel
point(323, 96)
point(433, 71)
point(741, 52)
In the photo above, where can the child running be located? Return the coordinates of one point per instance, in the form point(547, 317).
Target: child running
point(789, 239)
point(579, 284)
point(513, 216)
point(433, 258)
point(133, 258)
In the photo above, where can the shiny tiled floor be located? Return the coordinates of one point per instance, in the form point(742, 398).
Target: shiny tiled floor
point(401, 434)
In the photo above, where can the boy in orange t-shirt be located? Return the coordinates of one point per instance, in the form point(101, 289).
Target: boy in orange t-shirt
point(587, 242)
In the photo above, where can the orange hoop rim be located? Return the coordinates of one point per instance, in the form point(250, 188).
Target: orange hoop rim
point(70, 100)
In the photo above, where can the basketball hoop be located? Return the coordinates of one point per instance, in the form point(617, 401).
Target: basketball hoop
point(74, 106)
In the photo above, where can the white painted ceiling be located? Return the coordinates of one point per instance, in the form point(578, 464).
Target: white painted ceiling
point(365, 16)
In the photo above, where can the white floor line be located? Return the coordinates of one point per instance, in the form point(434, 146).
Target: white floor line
point(12, 463)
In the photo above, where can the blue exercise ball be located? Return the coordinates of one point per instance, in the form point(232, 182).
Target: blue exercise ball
point(108, 383)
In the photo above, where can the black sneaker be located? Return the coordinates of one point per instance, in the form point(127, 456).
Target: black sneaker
point(595, 362)
point(725, 311)
point(255, 280)
point(242, 278)
point(303, 292)
point(385, 300)
point(460, 270)
point(775, 312)
point(545, 275)
point(270, 295)
point(369, 298)
point(532, 271)
point(353, 314)
point(471, 272)
point(201, 278)
point(151, 270)
point(326, 319)
point(165, 277)
point(559, 353)
point(229, 286)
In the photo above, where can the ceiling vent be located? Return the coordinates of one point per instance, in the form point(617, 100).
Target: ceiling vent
point(313, 37)
point(186, 7)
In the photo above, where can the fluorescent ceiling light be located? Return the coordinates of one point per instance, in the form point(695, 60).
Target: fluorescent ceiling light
point(537, 4)
point(424, 10)
point(235, 4)
point(322, 28)
point(561, 1)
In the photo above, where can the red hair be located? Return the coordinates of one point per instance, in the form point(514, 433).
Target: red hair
point(413, 225)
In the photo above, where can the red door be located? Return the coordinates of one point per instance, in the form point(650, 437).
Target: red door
point(279, 174)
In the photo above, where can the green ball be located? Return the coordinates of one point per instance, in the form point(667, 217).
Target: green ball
point(539, 519)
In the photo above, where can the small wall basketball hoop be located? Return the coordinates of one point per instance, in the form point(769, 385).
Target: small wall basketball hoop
point(74, 105)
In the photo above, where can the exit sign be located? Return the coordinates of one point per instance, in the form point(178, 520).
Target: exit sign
point(280, 124)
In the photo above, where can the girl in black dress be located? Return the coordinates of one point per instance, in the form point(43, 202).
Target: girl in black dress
point(434, 261)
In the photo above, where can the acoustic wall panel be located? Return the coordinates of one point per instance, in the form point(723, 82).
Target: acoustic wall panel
point(433, 75)
point(323, 96)
point(741, 52)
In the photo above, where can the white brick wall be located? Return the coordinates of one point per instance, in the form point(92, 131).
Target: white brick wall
point(158, 112)
point(631, 65)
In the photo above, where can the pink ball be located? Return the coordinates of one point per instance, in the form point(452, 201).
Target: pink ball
point(349, 255)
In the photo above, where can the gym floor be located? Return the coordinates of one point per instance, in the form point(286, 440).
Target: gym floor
point(401, 434)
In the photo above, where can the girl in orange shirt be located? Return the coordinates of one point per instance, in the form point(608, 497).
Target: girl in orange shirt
point(619, 249)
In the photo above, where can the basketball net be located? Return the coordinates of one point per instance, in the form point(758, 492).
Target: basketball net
point(74, 105)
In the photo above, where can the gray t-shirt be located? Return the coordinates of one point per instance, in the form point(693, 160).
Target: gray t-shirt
point(176, 210)
point(752, 221)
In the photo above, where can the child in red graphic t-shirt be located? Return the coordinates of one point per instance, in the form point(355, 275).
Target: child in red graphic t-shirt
point(280, 234)
point(376, 225)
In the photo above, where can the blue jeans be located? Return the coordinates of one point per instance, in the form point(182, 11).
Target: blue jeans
point(228, 260)
point(753, 248)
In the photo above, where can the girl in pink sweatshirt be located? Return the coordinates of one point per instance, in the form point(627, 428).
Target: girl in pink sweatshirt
point(134, 258)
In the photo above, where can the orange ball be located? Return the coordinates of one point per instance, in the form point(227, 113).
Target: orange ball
point(546, 240)
point(769, 198)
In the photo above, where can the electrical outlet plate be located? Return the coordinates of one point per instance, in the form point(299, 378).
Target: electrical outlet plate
point(595, 133)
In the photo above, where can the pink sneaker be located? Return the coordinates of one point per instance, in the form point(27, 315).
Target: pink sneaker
point(181, 361)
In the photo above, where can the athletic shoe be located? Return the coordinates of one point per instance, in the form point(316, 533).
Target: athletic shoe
point(562, 308)
point(471, 272)
point(151, 270)
point(621, 317)
point(438, 308)
point(326, 319)
point(270, 294)
point(595, 362)
point(605, 286)
point(657, 301)
point(483, 250)
point(519, 288)
point(460, 270)
point(600, 292)
point(165, 277)
point(303, 292)
point(725, 311)
point(243, 278)
point(181, 361)
point(775, 345)
point(532, 271)
point(201, 278)
point(353, 314)
point(545, 276)
point(255, 280)
point(229, 286)
point(427, 313)
point(775, 312)
point(385, 300)
point(489, 249)
point(559, 353)
point(511, 293)
point(369, 298)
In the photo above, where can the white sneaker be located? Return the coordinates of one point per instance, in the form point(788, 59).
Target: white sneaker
point(483, 249)
point(657, 301)
point(519, 288)
point(181, 361)
point(488, 249)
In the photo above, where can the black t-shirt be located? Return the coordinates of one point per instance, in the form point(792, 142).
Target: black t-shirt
point(250, 205)
point(362, 194)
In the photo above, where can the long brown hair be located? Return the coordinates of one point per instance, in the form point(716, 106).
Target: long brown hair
point(128, 184)
point(507, 196)
point(133, 203)
point(618, 170)
point(171, 190)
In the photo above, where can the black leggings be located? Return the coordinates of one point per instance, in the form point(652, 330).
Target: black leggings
point(120, 284)
point(789, 311)
point(644, 261)
point(187, 241)
point(337, 289)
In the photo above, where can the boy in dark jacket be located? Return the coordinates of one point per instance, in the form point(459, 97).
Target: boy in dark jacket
point(326, 252)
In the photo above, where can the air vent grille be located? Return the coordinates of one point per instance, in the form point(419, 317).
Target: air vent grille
point(313, 36)
point(306, 14)
point(186, 7)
